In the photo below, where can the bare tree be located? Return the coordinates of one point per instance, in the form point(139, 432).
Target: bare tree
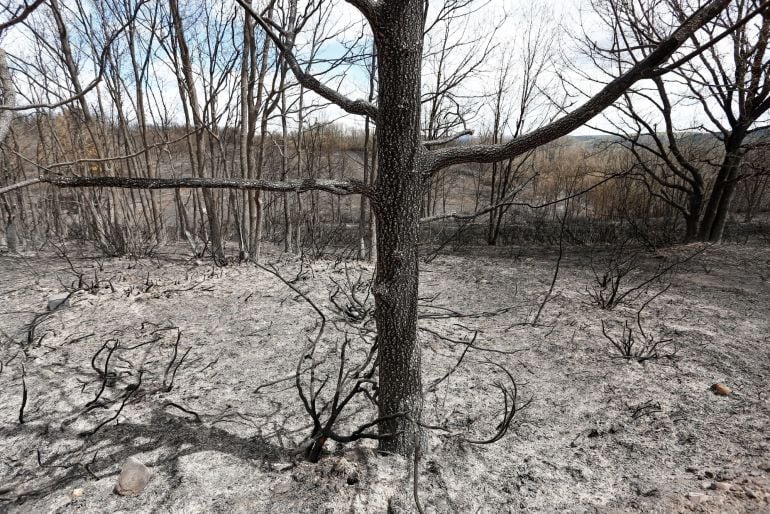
point(726, 75)
point(200, 156)
point(518, 100)
point(405, 165)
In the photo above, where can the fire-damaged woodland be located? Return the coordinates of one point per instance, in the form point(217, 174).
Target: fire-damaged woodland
point(390, 255)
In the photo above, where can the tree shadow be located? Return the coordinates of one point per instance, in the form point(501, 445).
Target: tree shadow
point(94, 455)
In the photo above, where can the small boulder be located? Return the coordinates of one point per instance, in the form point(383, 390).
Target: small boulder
point(282, 466)
point(697, 498)
point(133, 477)
point(58, 300)
point(720, 389)
point(77, 493)
point(721, 486)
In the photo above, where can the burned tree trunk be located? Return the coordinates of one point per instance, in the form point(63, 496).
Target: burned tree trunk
point(715, 216)
point(399, 186)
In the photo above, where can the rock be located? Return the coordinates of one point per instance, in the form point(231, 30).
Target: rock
point(133, 477)
point(58, 300)
point(720, 389)
point(697, 498)
point(721, 486)
point(706, 485)
point(77, 493)
point(749, 493)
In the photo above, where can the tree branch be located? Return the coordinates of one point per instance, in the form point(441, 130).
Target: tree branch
point(102, 62)
point(762, 7)
point(508, 202)
point(361, 107)
point(19, 17)
point(18, 185)
point(365, 7)
point(337, 187)
point(645, 68)
point(9, 96)
point(447, 139)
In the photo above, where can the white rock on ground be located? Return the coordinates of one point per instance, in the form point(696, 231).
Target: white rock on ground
point(133, 477)
point(58, 300)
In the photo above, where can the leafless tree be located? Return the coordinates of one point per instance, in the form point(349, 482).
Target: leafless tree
point(405, 165)
point(518, 104)
point(726, 75)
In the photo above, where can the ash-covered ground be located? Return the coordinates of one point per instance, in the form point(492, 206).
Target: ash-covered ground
point(197, 385)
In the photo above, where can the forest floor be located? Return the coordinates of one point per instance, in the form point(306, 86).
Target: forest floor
point(600, 433)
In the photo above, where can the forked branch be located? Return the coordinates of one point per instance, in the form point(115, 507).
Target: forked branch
point(361, 107)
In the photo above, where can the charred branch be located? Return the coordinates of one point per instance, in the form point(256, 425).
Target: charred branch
point(337, 187)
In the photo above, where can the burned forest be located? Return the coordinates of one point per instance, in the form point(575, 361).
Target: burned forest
point(384, 256)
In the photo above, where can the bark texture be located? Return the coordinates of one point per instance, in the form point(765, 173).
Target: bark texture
point(399, 39)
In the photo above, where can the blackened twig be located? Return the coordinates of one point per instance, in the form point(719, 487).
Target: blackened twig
point(188, 411)
point(105, 374)
point(415, 483)
point(556, 270)
point(23, 394)
point(468, 346)
point(173, 358)
point(173, 375)
point(128, 395)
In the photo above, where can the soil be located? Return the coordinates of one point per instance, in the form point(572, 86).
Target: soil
point(196, 353)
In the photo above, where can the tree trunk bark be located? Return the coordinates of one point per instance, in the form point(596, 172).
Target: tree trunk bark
point(723, 209)
point(399, 187)
point(692, 216)
point(256, 214)
point(217, 249)
point(714, 217)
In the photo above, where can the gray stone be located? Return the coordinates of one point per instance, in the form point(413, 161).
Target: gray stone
point(133, 477)
point(721, 486)
point(697, 498)
point(58, 300)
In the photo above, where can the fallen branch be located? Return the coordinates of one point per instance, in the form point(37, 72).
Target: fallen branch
point(105, 374)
